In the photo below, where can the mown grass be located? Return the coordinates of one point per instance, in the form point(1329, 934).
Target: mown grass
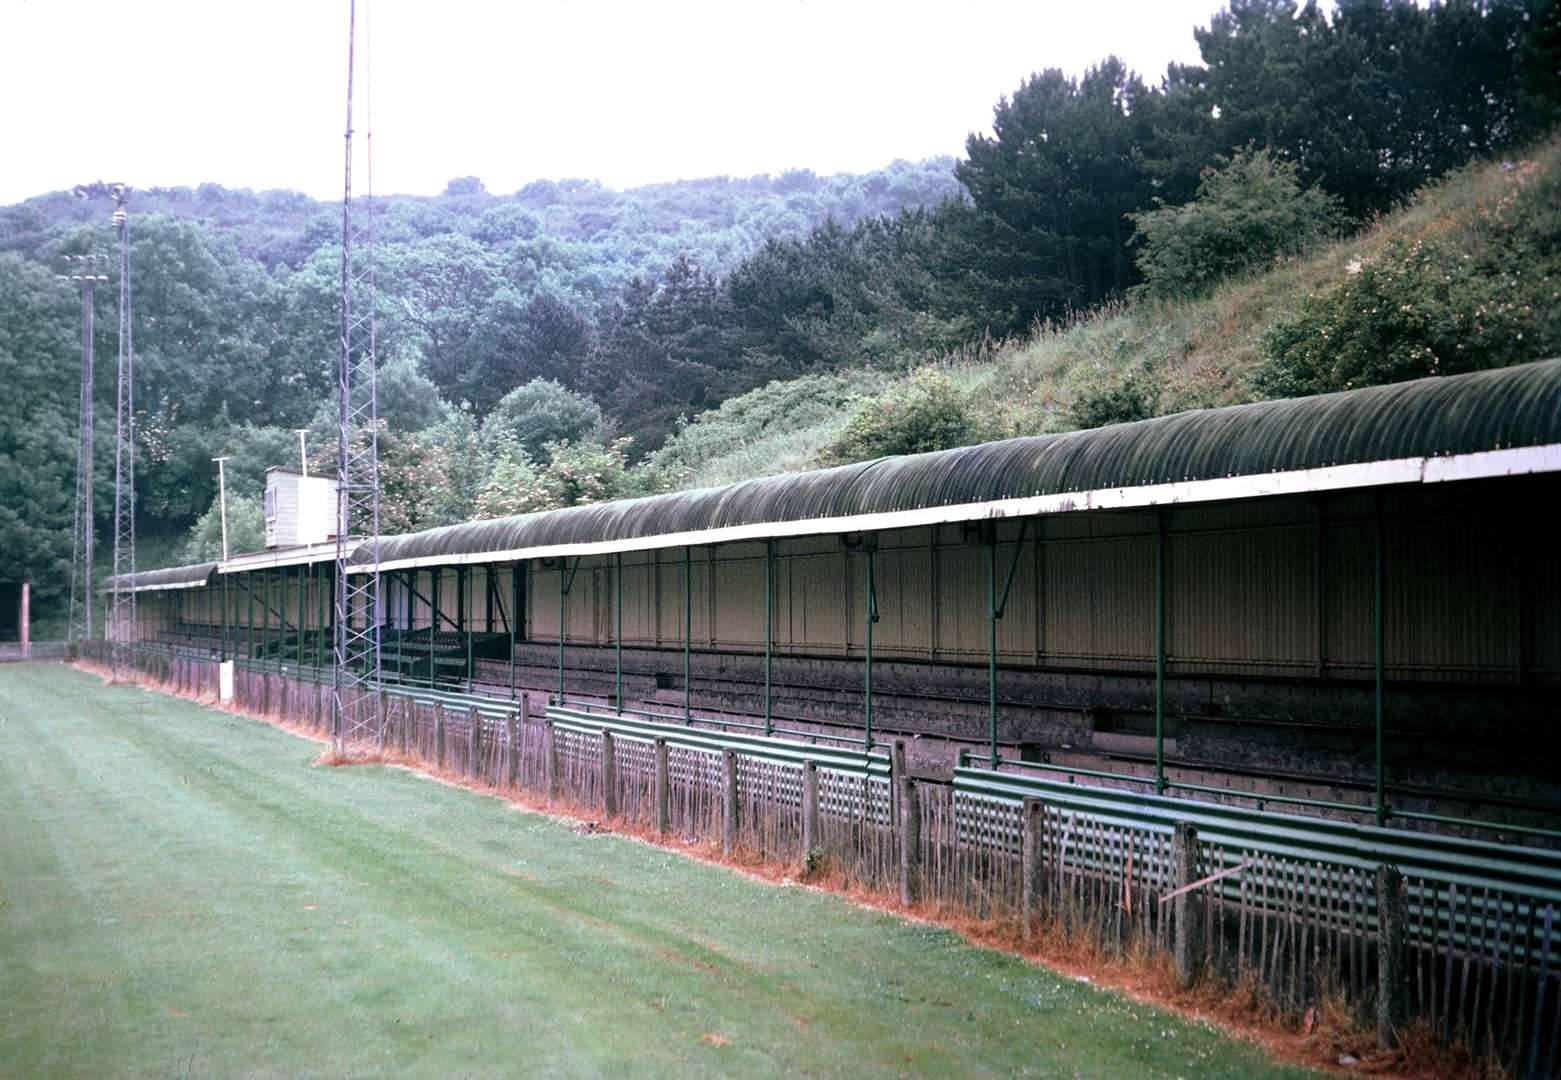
point(182, 893)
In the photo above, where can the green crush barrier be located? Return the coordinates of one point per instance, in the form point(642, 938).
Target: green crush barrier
point(1533, 874)
point(784, 751)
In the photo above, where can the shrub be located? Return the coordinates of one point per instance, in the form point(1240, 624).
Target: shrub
point(1449, 301)
point(1247, 212)
point(1134, 394)
point(926, 413)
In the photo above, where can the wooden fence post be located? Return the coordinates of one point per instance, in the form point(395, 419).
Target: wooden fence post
point(382, 707)
point(1032, 858)
point(438, 735)
point(511, 750)
point(609, 776)
point(1392, 975)
point(810, 833)
point(910, 840)
point(1187, 946)
point(729, 801)
point(550, 746)
point(474, 744)
point(663, 789)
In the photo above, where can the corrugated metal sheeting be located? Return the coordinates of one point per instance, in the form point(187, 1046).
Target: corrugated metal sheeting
point(1281, 587)
point(1463, 414)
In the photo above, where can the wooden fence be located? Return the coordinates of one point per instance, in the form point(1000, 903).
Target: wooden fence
point(1479, 966)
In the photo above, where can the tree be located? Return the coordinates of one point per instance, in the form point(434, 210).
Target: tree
point(444, 284)
point(542, 411)
point(40, 371)
point(1050, 189)
point(246, 531)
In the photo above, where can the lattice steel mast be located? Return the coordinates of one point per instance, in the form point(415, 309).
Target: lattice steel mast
point(83, 272)
point(356, 649)
point(122, 611)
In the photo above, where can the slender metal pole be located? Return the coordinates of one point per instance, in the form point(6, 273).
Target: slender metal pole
point(991, 662)
point(434, 577)
point(1378, 635)
point(872, 618)
point(464, 617)
point(514, 620)
point(769, 631)
point(688, 632)
point(617, 633)
point(324, 598)
point(563, 622)
point(222, 648)
point(222, 503)
point(1159, 652)
point(249, 618)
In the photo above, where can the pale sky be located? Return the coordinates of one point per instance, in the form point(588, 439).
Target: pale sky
point(177, 92)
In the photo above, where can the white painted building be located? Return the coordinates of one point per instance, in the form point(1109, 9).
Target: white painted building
point(299, 509)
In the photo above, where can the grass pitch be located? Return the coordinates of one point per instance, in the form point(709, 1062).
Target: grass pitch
point(181, 893)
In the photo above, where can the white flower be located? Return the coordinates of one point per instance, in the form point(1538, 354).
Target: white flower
point(1353, 267)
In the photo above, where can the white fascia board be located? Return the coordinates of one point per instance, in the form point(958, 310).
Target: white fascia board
point(1516, 461)
point(293, 556)
point(106, 589)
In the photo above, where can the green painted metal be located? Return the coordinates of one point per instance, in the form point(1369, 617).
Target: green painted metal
point(434, 577)
point(1507, 407)
point(565, 583)
point(870, 549)
point(1234, 830)
point(769, 632)
point(617, 631)
point(463, 616)
point(1378, 643)
point(858, 763)
point(1263, 798)
point(516, 569)
point(324, 593)
point(688, 632)
point(996, 605)
point(1159, 652)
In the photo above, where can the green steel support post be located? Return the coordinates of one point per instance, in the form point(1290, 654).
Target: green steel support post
point(769, 631)
point(991, 643)
point(303, 613)
point(249, 618)
point(688, 632)
point(1159, 652)
point(997, 604)
point(489, 595)
point(434, 576)
point(617, 633)
point(464, 617)
point(514, 620)
point(1377, 634)
point(222, 641)
point(871, 550)
point(265, 615)
point(564, 585)
point(322, 594)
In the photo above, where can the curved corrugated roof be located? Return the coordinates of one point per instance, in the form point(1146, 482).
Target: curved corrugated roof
point(1518, 406)
point(175, 577)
